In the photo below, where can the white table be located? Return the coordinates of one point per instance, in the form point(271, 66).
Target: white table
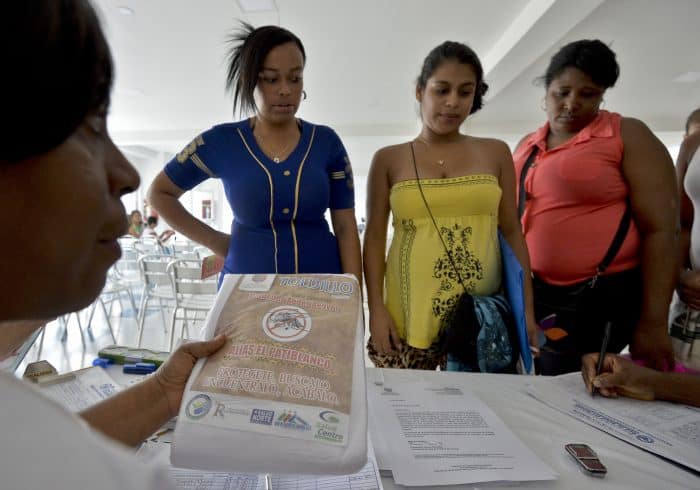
point(546, 430)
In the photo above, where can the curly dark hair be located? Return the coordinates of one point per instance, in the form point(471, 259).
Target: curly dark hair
point(591, 56)
point(451, 50)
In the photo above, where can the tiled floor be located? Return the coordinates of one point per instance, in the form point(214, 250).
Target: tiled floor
point(68, 354)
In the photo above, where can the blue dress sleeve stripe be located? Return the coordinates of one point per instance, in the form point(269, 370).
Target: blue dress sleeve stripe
point(188, 168)
point(201, 165)
point(342, 186)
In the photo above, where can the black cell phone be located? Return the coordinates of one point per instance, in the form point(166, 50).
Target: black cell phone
point(587, 459)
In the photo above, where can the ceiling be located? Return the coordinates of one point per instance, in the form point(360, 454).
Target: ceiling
point(364, 55)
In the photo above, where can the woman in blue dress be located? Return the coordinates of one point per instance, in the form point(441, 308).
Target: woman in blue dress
point(280, 173)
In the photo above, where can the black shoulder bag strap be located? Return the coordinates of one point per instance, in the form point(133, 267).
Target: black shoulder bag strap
point(523, 173)
point(620, 234)
point(618, 240)
point(444, 245)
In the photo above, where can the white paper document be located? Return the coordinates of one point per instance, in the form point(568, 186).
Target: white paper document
point(87, 387)
point(445, 435)
point(157, 454)
point(666, 429)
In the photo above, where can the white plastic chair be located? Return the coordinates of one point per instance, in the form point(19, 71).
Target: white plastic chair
point(148, 246)
point(64, 320)
point(185, 255)
point(156, 286)
point(192, 294)
point(113, 291)
point(202, 252)
point(127, 241)
point(178, 246)
point(126, 269)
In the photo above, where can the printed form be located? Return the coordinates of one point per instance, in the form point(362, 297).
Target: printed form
point(158, 454)
point(667, 429)
point(445, 435)
point(84, 388)
point(365, 479)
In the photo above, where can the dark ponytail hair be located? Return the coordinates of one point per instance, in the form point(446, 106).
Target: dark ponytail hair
point(451, 50)
point(249, 46)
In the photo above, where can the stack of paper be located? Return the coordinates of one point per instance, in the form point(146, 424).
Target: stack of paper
point(158, 454)
point(435, 434)
point(666, 429)
point(286, 393)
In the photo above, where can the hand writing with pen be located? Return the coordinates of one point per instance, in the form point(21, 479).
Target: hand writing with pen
point(621, 376)
point(618, 376)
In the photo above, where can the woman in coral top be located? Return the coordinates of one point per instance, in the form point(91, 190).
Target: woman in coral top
point(587, 169)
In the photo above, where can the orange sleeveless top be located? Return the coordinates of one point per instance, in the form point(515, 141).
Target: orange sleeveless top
point(576, 198)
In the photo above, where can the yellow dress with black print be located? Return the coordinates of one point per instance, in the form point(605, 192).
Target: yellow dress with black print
point(421, 284)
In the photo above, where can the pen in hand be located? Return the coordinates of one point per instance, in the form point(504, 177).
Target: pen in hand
point(601, 357)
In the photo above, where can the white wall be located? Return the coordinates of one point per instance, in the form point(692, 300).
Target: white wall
point(361, 150)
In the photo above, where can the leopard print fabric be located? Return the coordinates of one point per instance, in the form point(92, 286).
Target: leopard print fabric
point(409, 357)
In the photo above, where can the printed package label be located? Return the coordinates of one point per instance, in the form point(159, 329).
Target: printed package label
point(286, 367)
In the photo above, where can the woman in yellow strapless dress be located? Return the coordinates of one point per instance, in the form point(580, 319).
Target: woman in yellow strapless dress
point(469, 185)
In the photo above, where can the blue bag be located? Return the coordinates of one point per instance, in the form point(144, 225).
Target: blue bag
point(480, 336)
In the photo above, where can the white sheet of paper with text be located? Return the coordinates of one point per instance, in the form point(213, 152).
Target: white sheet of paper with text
point(158, 454)
point(667, 429)
point(445, 435)
point(89, 386)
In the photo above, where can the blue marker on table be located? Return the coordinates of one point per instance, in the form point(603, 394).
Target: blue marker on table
point(140, 368)
point(103, 362)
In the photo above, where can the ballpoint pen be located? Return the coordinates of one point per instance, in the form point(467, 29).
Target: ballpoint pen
point(603, 350)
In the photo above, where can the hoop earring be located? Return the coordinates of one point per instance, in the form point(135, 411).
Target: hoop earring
point(543, 105)
point(303, 95)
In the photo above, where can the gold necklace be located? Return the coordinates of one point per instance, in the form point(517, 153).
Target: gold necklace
point(275, 155)
point(420, 138)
